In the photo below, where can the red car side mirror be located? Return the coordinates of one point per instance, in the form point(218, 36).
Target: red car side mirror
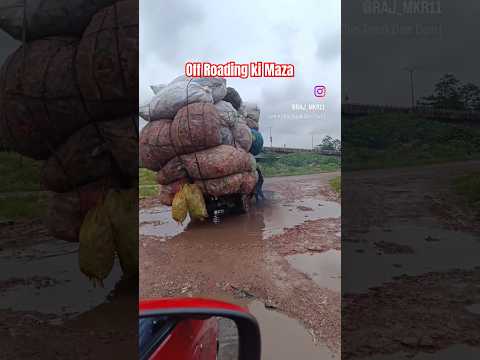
point(186, 320)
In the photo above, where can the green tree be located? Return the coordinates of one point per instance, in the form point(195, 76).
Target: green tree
point(446, 95)
point(470, 95)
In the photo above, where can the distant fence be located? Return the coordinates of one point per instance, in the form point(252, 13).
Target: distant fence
point(355, 110)
point(286, 150)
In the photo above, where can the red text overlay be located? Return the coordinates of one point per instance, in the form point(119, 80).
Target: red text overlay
point(243, 71)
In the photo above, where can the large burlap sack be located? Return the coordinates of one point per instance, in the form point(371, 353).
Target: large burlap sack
point(47, 17)
point(217, 86)
point(169, 100)
point(107, 61)
point(82, 159)
point(179, 207)
point(66, 211)
point(233, 97)
point(251, 110)
point(155, 146)
point(171, 171)
point(196, 127)
point(195, 202)
point(121, 137)
point(243, 183)
point(167, 192)
point(122, 208)
point(39, 98)
point(97, 249)
point(217, 162)
point(230, 116)
point(242, 136)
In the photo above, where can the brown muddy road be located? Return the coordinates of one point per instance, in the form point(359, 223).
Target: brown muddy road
point(50, 310)
point(416, 245)
point(281, 260)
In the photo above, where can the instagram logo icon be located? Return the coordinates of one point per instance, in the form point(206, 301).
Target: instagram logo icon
point(320, 91)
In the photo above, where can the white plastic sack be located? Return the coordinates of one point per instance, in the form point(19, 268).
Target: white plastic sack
point(173, 97)
point(156, 88)
point(251, 110)
point(218, 86)
point(48, 17)
point(144, 111)
point(228, 113)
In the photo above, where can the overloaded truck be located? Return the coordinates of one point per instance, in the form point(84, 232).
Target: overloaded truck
point(201, 139)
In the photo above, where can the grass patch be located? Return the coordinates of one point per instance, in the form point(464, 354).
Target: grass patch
point(25, 207)
point(298, 164)
point(395, 140)
point(147, 183)
point(335, 183)
point(19, 173)
point(146, 191)
point(468, 186)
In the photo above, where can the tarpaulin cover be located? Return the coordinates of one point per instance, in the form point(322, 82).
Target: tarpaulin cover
point(257, 144)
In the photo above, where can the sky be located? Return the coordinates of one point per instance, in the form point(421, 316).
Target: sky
point(308, 35)
point(375, 53)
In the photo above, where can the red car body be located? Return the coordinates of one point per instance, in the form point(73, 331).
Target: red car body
point(189, 339)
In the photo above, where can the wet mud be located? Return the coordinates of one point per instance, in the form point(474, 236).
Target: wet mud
point(424, 245)
point(50, 310)
point(246, 256)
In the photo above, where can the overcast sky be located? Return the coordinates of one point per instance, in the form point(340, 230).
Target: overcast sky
point(306, 34)
point(375, 53)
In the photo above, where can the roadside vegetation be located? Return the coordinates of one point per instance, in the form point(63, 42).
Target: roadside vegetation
point(19, 173)
point(393, 140)
point(297, 164)
point(335, 183)
point(21, 195)
point(148, 185)
point(468, 187)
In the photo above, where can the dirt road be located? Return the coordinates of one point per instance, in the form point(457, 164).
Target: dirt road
point(282, 260)
point(415, 245)
point(50, 310)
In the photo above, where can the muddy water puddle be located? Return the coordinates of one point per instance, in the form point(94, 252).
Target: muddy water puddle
point(410, 250)
point(264, 220)
point(324, 268)
point(283, 338)
point(50, 273)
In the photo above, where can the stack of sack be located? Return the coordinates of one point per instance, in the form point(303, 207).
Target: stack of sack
point(199, 132)
point(69, 97)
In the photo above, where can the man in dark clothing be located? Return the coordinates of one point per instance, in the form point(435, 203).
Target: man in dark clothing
point(258, 187)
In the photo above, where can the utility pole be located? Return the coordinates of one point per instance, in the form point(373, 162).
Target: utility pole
point(271, 142)
point(412, 88)
point(312, 141)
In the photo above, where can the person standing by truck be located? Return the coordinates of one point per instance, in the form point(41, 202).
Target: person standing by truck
point(258, 187)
